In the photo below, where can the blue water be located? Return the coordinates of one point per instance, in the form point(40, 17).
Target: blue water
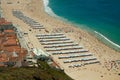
point(102, 16)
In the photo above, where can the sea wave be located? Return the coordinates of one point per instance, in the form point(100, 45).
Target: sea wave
point(107, 39)
point(49, 11)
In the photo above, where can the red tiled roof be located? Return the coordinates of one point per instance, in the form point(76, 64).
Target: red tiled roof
point(3, 57)
point(9, 44)
point(9, 31)
point(12, 48)
point(1, 35)
point(22, 54)
point(4, 22)
point(10, 35)
point(2, 65)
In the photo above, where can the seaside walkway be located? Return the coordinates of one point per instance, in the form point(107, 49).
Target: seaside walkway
point(57, 44)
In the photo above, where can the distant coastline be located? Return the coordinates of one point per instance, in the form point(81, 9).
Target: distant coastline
point(97, 34)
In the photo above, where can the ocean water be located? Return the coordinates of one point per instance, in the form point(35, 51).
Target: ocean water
point(102, 17)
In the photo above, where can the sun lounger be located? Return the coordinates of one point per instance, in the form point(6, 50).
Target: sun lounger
point(54, 40)
point(76, 65)
point(92, 62)
point(65, 48)
point(74, 56)
point(61, 45)
point(81, 59)
point(51, 43)
point(50, 37)
point(70, 52)
point(55, 34)
point(27, 20)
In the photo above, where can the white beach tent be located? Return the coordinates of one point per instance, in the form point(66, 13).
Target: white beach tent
point(40, 53)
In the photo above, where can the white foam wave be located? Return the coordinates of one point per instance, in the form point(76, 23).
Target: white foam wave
point(107, 39)
point(49, 11)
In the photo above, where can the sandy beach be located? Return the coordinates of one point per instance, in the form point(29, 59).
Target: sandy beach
point(35, 10)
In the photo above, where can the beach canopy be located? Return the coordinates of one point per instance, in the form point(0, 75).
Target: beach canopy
point(39, 52)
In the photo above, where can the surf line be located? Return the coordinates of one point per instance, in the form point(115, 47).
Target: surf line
point(107, 39)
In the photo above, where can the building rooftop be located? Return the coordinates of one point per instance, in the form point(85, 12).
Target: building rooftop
point(10, 49)
point(4, 22)
point(9, 31)
point(3, 57)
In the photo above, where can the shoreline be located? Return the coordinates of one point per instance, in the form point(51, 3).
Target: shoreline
point(92, 32)
point(35, 10)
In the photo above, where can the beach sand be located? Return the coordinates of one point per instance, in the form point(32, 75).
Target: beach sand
point(35, 10)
